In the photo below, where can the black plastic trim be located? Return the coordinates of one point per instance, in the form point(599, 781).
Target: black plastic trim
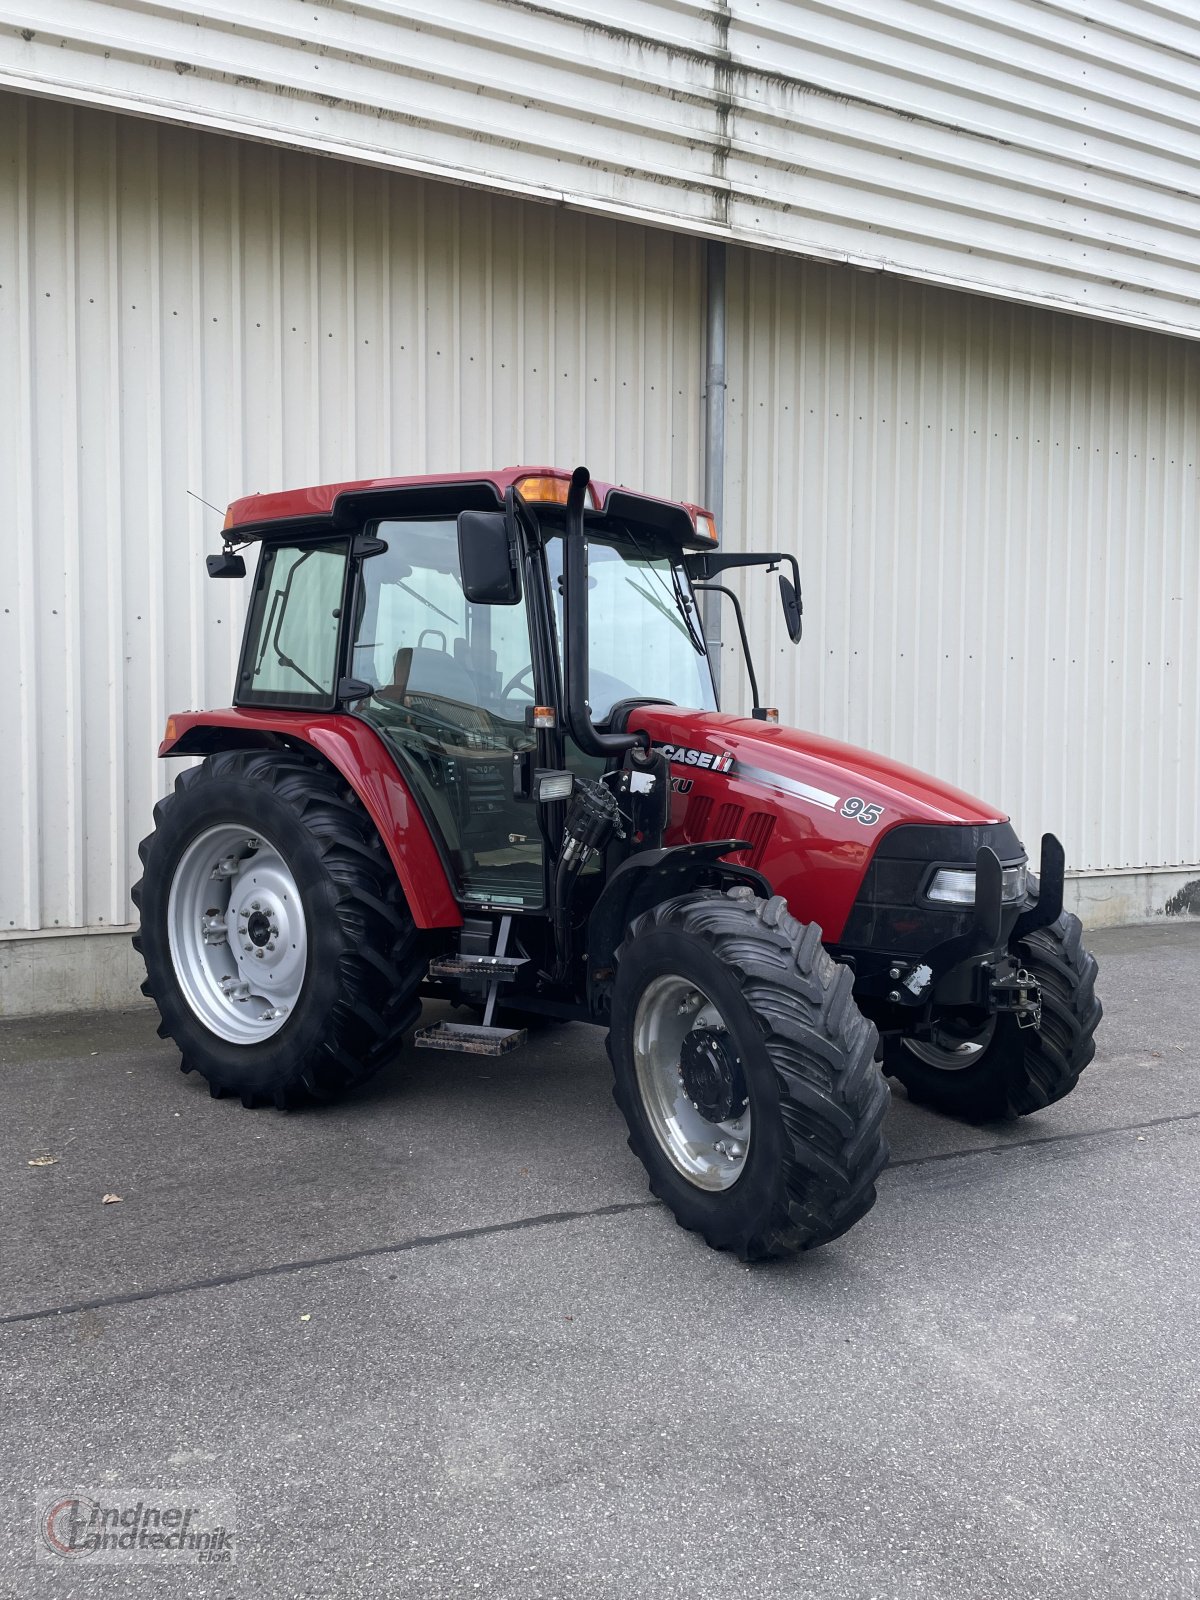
point(892, 915)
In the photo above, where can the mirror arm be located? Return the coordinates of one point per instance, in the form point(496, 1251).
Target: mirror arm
point(510, 527)
point(707, 565)
point(575, 628)
point(719, 588)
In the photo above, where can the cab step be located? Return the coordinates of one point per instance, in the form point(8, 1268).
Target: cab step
point(469, 1037)
point(498, 969)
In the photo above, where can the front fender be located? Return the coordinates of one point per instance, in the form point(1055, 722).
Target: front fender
point(645, 879)
point(363, 760)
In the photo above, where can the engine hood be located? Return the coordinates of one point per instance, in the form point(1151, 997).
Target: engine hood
point(816, 772)
point(811, 811)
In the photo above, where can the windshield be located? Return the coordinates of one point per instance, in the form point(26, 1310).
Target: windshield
point(644, 638)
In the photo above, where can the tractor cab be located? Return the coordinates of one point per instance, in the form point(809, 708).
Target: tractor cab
point(448, 631)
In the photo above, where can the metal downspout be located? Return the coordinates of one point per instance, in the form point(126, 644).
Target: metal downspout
point(714, 432)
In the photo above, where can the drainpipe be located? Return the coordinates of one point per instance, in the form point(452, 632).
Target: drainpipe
point(714, 433)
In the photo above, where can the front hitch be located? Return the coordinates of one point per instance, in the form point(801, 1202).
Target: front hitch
point(1016, 994)
point(977, 969)
point(974, 968)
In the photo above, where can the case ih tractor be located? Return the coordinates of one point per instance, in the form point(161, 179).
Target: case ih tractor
point(475, 753)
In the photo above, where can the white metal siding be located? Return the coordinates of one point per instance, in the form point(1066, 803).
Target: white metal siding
point(996, 509)
point(1043, 152)
point(997, 515)
point(180, 311)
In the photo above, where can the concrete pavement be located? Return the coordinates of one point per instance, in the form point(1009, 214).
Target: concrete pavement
point(439, 1341)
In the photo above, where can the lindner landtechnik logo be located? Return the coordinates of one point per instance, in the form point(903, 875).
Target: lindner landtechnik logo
point(135, 1527)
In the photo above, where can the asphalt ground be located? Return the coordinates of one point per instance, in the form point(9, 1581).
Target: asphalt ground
point(439, 1341)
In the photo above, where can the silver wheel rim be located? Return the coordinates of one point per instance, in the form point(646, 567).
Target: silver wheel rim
point(712, 1155)
point(949, 1054)
point(237, 934)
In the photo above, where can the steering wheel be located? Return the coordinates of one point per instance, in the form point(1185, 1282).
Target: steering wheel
point(515, 683)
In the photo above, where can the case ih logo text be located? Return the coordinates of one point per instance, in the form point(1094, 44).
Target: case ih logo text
point(708, 760)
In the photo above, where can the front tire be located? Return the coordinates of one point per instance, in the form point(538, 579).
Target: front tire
point(278, 947)
point(1017, 1070)
point(746, 1074)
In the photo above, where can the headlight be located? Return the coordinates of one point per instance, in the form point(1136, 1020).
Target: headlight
point(956, 885)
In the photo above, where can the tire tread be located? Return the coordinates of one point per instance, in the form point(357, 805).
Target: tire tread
point(1023, 1070)
point(833, 1099)
point(379, 970)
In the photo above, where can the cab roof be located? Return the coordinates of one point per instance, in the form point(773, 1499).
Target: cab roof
point(345, 505)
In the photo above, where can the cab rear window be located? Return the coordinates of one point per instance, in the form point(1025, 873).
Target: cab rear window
point(290, 656)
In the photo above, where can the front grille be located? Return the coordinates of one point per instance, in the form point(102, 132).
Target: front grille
point(758, 828)
point(727, 824)
point(889, 913)
point(695, 818)
point(728, 821)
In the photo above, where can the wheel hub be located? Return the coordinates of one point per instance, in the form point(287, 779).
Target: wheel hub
point(712, 1074)
point(236, 927)
point(691, 1082)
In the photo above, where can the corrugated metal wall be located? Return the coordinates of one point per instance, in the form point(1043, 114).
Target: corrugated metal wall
point(1045, 152)
point(181, 311)
point(996, 509)
point(997, 513)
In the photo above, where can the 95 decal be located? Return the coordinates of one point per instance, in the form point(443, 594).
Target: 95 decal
point(861, 811)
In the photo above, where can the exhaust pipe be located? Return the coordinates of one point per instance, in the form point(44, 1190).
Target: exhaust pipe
point(575, 645)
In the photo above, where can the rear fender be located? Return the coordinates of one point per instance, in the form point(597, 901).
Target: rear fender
point(364, 761)
point(644, 880)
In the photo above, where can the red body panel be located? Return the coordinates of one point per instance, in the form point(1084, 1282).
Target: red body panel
point(785, 791)
point(363, 759)
point(318, 501)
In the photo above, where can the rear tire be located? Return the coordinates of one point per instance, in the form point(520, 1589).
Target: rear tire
point(353, 989)
point(1020, 1069)
point(738, 986)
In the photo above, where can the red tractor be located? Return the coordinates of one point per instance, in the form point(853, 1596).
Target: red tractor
point(475, 753)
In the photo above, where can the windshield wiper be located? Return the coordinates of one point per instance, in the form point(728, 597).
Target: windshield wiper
point(279, 603)
point(294, 666)
point(683, 605)
point(417, 595)
point(669, 611)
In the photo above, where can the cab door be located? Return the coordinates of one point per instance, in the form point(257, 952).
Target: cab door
point(450, 684)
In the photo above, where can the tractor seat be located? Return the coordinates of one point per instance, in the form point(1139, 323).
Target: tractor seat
point(431, 672)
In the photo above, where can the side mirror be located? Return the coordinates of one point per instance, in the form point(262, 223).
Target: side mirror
point(487, 556)
point(226, 565)
point(793, 611)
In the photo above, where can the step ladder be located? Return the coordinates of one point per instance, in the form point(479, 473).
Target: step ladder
point(480, 1039)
